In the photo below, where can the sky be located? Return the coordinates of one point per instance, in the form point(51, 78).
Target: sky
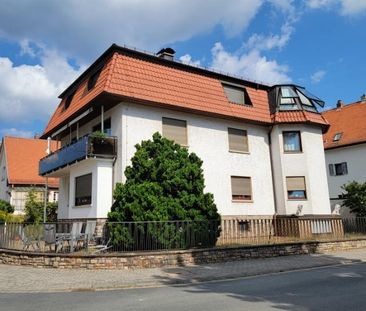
point(45, 45)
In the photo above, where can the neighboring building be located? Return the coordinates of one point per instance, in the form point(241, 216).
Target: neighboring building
point(345, 147)
point(19, 159)
point(261, 146)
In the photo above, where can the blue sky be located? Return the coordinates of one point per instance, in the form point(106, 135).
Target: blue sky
point(45, 45)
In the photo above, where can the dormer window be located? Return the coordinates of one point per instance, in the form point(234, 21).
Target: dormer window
point(293, 97)
point(337, 136)
point(93, 79)
point(236, 94)
point(68, 101)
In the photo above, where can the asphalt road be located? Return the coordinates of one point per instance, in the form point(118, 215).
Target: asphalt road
point(331, 288)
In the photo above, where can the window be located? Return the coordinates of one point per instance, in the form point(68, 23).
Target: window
point(107, 127)
point(236, 95)
point(93, 79)
point(68, 101)
point(291, 141)
point(83, 190)
point(175, 130)
point(338, 169)
point(241, 188)
point(337, 137)
point(238, 140)
point(296, 189)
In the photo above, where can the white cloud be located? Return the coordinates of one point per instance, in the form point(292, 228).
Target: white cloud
point(84, 28)
point(187, 59)
point(345, 7)
point(251, 65)
point(29, 92)
point(261, 42)
point(318, 76)
point(15, 132)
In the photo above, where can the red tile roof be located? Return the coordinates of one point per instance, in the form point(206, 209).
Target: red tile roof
point(22, 159)
point(148, 79)
point(348, 120)
point(299, 117)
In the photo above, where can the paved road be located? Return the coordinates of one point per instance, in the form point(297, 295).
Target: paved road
point(18, 279)
point(328, 288)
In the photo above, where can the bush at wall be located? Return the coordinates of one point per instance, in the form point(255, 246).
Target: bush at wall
point(164, 183)
point(6, 207)
point(355, 198)
point(34, 209)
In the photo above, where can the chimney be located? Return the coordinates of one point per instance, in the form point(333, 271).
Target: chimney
point(167, 53)
point(363, 98)
point(36, 136)
point(340, 104)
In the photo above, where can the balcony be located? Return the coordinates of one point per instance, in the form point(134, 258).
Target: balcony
point(86, 147)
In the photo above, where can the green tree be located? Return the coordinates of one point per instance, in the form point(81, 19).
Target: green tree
point(355, 198)
point(34, 209)
point(164, 183)
point(5, 206)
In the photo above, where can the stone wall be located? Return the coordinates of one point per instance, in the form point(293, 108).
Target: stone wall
point(172, 258)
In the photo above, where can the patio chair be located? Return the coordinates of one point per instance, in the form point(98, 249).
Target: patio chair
point(30, 236)
point(50, 237)
point(90, 231)
point(102, 247)
point(73, 237)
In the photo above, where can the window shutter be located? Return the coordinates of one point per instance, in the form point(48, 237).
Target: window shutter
point(241, 186)
point(331, 169)
point(295, 183)
point(234, 94)
point(238, 140)
point(175, 130)
point(344, 168)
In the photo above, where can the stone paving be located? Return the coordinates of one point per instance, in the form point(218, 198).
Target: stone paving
point(15, 279)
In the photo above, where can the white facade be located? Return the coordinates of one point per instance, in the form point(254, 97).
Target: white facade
point(309, 163)
point(208, 138)
point(355, 157)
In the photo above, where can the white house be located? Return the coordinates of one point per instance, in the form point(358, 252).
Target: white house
point(19, 159)
point(261, 146)
point(345, 147)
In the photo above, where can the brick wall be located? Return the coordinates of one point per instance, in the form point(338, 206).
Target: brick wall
point(172, 258)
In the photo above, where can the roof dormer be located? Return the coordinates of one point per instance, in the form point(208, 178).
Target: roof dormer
point(290, 97)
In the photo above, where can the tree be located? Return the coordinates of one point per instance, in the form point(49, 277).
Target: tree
point(34, 209)
point(355, 198)
point(164, 183)
point(6, 207)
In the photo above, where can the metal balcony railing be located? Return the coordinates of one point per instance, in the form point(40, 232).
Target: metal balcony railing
point(83, 148)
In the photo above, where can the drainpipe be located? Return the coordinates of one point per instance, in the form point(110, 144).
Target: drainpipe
point(272, 170)
point(48, 151)
point(102, 119)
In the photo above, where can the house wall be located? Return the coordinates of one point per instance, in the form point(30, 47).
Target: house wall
point(102, 177)
point(309, 163)
point(4, 189)
point(208, 138)
point(356, 164)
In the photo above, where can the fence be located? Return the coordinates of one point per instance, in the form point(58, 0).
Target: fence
point(151, 236)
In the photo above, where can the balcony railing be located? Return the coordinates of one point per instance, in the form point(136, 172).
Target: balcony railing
point(83, 148)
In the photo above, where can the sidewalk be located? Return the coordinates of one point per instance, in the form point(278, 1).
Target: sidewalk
point(15, 279)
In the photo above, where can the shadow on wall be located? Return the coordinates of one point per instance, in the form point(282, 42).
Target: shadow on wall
point(285, 291)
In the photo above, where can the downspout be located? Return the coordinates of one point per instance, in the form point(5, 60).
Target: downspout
point(272, 170)
point(102, 119)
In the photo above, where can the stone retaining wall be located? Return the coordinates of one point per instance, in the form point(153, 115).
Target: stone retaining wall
point(172, 258)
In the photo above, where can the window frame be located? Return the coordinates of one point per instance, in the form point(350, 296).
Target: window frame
point(246, 99)
point(344, 168)
point(300, 142)
point(304, 197)
point(186, 130)
point(337, 136)
point(238, 200)
point(247, 140)
point(89, 203)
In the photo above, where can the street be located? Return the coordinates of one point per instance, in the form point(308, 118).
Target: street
point(329, 288)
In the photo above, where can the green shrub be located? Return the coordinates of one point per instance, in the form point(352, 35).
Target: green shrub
point(34, 209)
point(5, 206)
point(355, 198)
point(164, 183)
point(8, 217)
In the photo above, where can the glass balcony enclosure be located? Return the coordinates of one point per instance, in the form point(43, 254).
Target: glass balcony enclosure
point(89, 146)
